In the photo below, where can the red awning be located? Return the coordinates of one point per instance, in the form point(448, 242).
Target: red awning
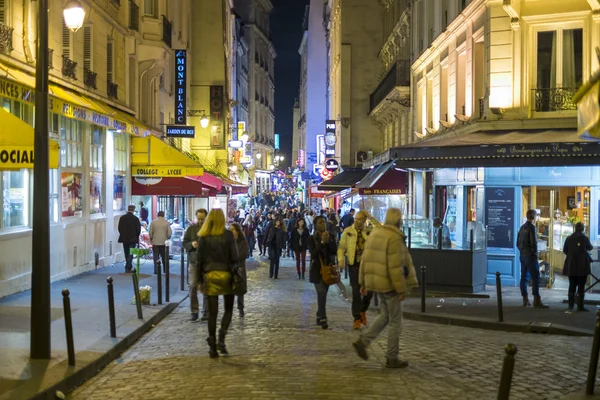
point(209, 180)
point(236, 187)
point(393, 181)
point(168, 187)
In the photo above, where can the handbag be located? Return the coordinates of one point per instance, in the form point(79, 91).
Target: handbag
point(239, 286)
point(330, 273)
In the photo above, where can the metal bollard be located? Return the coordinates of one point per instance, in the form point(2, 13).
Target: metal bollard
point(182, 277)
point(136, 293)
point(111, 307)
point(423, 304)
point(499, 297)
point(591, 378)
point(507, 371)
point(159, 282)
point(167, 277)
point(68, 326)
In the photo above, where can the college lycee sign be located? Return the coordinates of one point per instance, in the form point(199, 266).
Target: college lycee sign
point(166, 171)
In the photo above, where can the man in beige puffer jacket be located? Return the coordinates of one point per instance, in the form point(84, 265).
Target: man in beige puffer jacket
point(387, 269)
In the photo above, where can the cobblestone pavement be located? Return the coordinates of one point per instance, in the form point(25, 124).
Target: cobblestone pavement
point(277, 352)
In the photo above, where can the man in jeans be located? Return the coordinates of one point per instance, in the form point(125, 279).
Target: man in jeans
point(386, 268)
point(129, 234)
point(527, 244)
point(190, 243)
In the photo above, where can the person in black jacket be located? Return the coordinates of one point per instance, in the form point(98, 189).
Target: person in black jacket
point(217, 255)
point(577, 265)
point(129, 234)
point(299, 244)
point(276, 239)
point(190, 244)
point(527, 244)
point(321, 245)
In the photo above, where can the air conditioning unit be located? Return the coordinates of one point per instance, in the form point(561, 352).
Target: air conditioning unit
point(361, 156)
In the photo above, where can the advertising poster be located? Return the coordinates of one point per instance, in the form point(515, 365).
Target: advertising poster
point(499, 217)
point(119, 193)
point(71, 194)
point(96, 193)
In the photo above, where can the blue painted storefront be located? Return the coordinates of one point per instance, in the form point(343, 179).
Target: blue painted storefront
point(505, 260)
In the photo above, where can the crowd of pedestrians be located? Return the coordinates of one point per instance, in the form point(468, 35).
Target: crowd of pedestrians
point(375, 253)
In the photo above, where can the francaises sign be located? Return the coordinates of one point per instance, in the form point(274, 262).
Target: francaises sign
point(379, 191)
point(181, 131)
point(166, 171)
point(180, 87)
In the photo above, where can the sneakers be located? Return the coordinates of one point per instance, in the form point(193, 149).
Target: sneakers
point(395, 363)
point(356, 325)
point(361, 349)
point(363, 318)
point(194, 317)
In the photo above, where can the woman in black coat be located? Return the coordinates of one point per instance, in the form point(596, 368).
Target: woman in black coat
point(577, 265)
point(299, 245)
point(276, 241)
point(321, 245)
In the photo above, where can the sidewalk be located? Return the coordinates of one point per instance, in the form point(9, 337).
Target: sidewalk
point(21, 378)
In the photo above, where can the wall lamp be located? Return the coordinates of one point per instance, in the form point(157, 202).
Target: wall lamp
point(203, 118)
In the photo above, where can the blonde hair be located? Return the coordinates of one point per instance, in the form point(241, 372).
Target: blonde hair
point(393, 216)
point(214, 225)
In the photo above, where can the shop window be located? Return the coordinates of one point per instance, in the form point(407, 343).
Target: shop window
point(559, 69)
point(71, 143)
point(54, 195)
point(71, 194)
point(15, 198)
point(96, 167)
point(120, 142)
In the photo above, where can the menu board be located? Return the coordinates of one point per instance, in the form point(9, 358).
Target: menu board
point(499, 217)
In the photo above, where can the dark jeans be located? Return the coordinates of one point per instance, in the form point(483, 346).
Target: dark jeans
point(322, 290)
point(274, 266)
point(261, 245)
point(251, 244)
point(213, 311)
point(577, 282)
point(360, 303)
point(240, 301)
point(300, 259)
point(128, 257)
point(530, 267)
point(156, 252)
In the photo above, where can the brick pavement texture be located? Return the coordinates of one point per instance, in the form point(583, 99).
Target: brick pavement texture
point(277, 352)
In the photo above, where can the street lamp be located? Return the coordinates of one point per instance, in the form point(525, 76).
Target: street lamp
point(74, 15)
point(271, 167)
point(281, 158)
point(204, 121)
point(244, 137)
point(258, 155)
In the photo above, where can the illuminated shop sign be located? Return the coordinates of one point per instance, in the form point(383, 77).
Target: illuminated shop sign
point(320, 149)
point(180, 87)
point(181, 131)
point(330, 138)
point(277, 141)
point(216, 116)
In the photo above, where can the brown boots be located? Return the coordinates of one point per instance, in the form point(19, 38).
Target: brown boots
point(537, 302)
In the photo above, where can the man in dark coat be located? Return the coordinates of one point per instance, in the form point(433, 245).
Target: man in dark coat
point(577, 265)
point(190, 244)
point(530, 266)
point(129, 234)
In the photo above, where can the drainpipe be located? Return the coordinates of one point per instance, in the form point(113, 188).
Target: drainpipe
point(140, 97)
point(154, 91)
point(26, 20)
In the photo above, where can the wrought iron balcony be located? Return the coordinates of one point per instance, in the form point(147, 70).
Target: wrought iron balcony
point(89, 78)
point(302, 121)
point(256, 57)
point(167, 32)
point(244, 102)
point(399, 75)
point(112, 89)
point(134, 16)
point(262, 100)
point(6, 38)
point(50, 58)
point(69, 67)
point(267, 67)
point(554, 99)
point(256, 97)
point(266, 102)
point(271, 110)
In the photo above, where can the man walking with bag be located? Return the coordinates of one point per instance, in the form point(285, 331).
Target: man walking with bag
point(129, 234)
point(386, 268)
point(190, 244)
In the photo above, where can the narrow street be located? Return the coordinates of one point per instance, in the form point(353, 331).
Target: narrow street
point(277, 352)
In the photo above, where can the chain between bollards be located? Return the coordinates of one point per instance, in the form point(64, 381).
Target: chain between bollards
point(111, 307)
point(507, 371)
point(423, 304)
point(591, 378)
point(68, 326)
point(499, 297)
point(167, 274)
point(136, 293)
point(158, 269)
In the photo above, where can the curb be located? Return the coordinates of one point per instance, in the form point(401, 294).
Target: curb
point(488, 324)
point(63, 378)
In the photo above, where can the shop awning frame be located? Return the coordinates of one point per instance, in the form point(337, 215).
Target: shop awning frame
point(500, 149)
point(374, 174)
point(345, 180)
point(151, 158)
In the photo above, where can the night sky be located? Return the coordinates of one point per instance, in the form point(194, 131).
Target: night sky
point(286, 29)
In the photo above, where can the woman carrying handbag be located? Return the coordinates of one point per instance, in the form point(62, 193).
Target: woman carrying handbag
point(322, 249)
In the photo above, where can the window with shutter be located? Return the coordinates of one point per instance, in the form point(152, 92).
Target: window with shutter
point(3, 11)
point(88, 47)
point(110, 60)
point(66, 41)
